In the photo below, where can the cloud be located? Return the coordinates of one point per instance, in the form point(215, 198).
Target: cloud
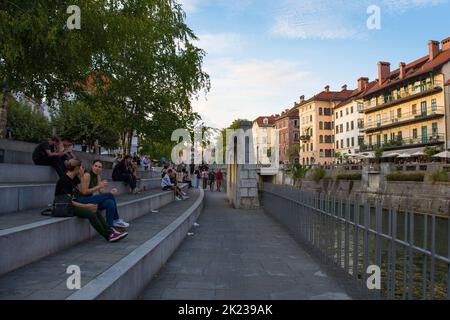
point(334, 19)
point(220, 44)
point(190, 6)
point(246, 89)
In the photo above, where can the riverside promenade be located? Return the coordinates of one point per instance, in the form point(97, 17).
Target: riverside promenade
point(243, 255)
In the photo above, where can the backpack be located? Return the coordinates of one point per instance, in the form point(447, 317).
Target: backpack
point(61, 207)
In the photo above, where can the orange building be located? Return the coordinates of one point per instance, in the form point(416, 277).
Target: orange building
point(317, 125)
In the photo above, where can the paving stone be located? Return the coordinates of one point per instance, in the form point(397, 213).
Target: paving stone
point(250, 256)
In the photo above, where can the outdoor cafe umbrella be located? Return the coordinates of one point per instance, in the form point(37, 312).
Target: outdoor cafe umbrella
point(391, 155)
point(404, 155)
point(419, 154)
point(445, 154)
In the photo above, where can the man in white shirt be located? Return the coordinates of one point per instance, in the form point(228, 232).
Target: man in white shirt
point(167, 184)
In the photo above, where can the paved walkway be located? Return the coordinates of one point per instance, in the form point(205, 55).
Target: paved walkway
point(46, 278)
point(242, 255)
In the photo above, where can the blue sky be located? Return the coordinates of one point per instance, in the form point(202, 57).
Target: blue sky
point(263, 55)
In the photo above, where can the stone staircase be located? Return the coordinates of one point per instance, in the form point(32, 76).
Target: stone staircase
point(30, 241)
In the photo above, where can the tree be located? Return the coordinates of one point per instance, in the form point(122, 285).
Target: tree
point(143, 49)
point(298, 172)
point(39, 56)
point(82, 122)
point(294, 152)
point(26, 124)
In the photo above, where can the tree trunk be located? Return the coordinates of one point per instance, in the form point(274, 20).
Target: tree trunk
point(4, 111)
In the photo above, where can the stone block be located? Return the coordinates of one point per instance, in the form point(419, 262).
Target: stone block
point(248, 183)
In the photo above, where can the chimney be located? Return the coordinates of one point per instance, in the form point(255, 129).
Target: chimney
point(302, 98)
point(446, 44)
point(363, 83)
point(433, 49)
point(344, 87)
point(327, 88)
point(402, 69)
point(384, 71)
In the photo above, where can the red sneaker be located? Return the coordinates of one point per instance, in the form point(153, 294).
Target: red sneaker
point(116, 236)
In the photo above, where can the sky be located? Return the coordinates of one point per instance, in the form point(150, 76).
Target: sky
point(262, 55)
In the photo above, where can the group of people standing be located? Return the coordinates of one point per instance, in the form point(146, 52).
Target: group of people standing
point(208, 177)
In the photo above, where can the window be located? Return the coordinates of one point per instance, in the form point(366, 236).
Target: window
point(399, 136)
point(337, 144)
point(321, 139)
point(353, 141)
point(310, 118)
point(337, 115)
point(433, 105)
point(328, 112)
point(360, 140)
point(352, 125)
point(295, 123)
point(312, 149)
point(434, 129)
point(392, 136)
point(423, 108)
point(414, 109)
point(348, 142)
point(399, 113)
point(328, 126)
point(346, 111)
point(351, 109)
point(337, 129)
point(321, 153)
point(385, 138)
point(405, 88)
point(342, 143)
point(341, 115)
point(414, 133)
point(347, 126)
point(266, 121)
point(342, 127)
point(320, 111)
point(321, 125)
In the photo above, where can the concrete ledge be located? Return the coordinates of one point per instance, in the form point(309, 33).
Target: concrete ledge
point(19, 173)
point(28, 243)
point(25, 196)
point(127, 278)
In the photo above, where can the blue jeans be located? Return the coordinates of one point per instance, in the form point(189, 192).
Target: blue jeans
point(105, 202)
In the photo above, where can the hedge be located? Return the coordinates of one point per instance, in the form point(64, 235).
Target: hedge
point(400, 176)
point(349, 176)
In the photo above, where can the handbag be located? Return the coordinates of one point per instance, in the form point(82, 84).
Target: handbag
point(61, 208)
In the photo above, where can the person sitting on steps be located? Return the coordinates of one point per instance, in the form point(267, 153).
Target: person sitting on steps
point(93, 190)
point(122, 172)
point(47, 153)
point(68, 184)
point(166, 184)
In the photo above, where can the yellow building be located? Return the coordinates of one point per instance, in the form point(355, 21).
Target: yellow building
point(407, 108)
point(317, 126)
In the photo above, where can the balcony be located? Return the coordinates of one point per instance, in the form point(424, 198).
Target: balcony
point(403, 96)
point(405, 143)
point(305, 138)
point(405, 119)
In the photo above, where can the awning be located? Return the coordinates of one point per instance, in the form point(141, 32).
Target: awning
point(390, 154)
point(445, 154)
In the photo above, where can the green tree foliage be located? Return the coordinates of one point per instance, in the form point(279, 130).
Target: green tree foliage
point(82, 122)
point(26, 124)
point(143, 51)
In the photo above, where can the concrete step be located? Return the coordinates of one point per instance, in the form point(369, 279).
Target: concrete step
point(25, 196)
point(34, 236)
point(18, 173)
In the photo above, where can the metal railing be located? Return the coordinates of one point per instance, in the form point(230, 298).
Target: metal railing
point(402, 94)
point(419, 140)
point(411, 250)
point(405, 117)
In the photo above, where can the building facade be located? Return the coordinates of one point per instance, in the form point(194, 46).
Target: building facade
point(317, 126)
point(348, 121)
point(287, 125)
point(262, 130)
point(408, 108)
